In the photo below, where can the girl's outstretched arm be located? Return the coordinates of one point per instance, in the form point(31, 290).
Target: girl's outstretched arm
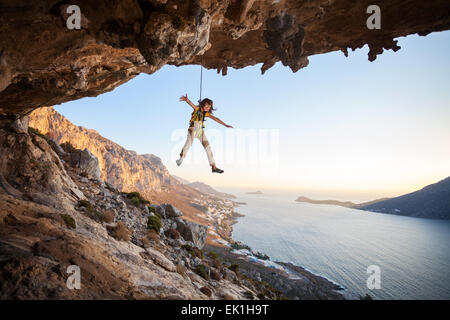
point(220, 121)
point(189, 102)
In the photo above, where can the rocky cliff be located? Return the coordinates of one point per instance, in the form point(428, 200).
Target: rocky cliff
point(125, 169)
point(43, 62)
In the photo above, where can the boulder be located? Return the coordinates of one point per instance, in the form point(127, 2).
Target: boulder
point(229, 274)
point(161, 211)
point(161, 260)
point(172, 212)
point(191, 231)
point(20, 125)
point(86, 162)
point(166, 210)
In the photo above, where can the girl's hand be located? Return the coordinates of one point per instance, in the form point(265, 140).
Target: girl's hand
point(184, 98)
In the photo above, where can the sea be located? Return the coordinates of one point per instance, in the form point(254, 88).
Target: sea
point(385, 256)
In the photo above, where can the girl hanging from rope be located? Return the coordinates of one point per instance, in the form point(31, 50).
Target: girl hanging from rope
point(203, 110)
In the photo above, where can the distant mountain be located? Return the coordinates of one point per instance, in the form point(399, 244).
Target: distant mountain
point(254, 192)
point(125, 169)
point(203, 187)
point(347, 204)
point(433, 202)
point(181, 180)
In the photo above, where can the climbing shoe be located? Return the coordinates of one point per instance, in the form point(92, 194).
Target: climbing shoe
point(217, 170)
point(179, 161)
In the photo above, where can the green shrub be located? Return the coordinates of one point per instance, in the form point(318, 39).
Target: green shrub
point(37, 132)
point(198, 253)
point(188, 248)
point(135, 202)
point(249, 295)
point(215, 258)
point(133, 194)
point(90, 210)
point(234, 267)
point(95, 215)
point(154, 223)
point(194, 251)
point(261, 256)
point(202, 271)
point(213, 255)
point(70, 222)
point(153, 209)
point(68, 147)
point(86, 204)
point(136, 198)
point(239, 246)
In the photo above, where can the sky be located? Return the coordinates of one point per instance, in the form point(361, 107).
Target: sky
point(342, 124)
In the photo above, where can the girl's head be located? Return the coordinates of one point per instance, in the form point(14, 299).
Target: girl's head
point(207, 105)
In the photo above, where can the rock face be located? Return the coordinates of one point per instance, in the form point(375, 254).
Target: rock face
point(123, 168)
point(43, 62)
point(30, 169)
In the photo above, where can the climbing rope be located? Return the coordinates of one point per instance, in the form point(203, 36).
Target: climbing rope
point(201, 79)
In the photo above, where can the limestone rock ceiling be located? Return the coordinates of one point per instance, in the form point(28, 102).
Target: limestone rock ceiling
point(43, 63)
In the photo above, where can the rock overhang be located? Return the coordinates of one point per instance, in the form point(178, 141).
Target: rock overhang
point(43, 62)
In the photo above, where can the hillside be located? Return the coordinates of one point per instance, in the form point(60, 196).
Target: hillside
point(433, 201)
point(203, 187)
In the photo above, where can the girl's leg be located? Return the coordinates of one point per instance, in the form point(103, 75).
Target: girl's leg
point(208, 150)
point(187, 145)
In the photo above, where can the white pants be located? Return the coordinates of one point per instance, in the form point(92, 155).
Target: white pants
point(202, 137)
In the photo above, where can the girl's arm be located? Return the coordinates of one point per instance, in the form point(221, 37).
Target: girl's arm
point(220, 121)
point(189, 102)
